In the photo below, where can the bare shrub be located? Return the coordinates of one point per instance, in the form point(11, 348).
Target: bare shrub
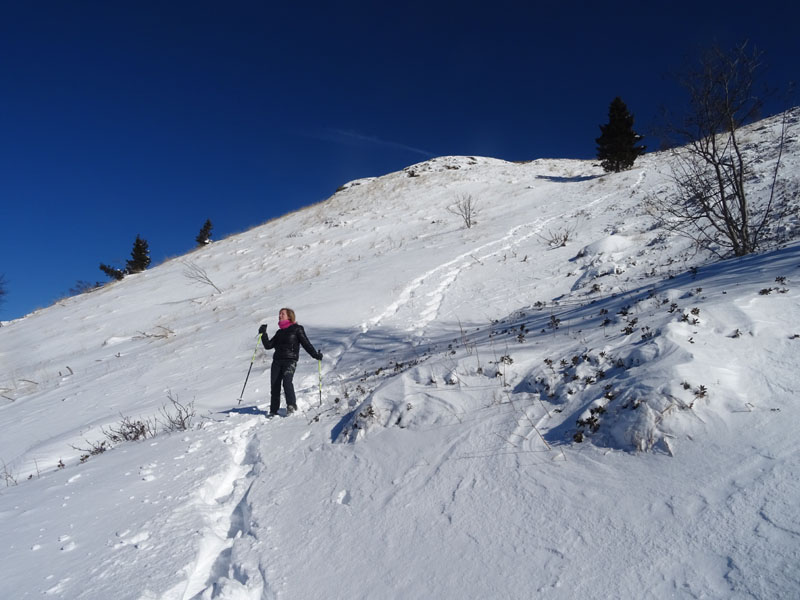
point(84, 287)
point(161, 333)
point(196, 274)
point(131, 430)
point(558, 238)
point(179, 417)
point(94, 449)
point(465, 207)
point(8, 475)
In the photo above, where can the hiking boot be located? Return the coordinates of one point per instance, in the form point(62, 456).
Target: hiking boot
point(290, 409)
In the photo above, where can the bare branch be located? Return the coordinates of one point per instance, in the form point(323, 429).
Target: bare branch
point(197, 274)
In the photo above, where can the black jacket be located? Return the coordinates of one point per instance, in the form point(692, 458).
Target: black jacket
point(287, 342)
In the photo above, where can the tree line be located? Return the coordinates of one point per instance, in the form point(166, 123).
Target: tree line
point(140, 254)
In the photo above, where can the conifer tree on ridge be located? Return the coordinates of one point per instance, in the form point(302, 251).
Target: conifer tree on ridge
point(112, 272)
point(616, 146)
point(139, 261)
point(204, 237)
point(140, 256)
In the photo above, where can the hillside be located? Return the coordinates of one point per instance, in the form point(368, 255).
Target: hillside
point(499, 415)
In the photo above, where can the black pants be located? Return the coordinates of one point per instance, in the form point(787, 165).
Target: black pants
point(282, 372)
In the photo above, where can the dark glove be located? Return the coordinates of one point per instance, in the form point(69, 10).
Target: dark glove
point(319, 356)
point(262, 330)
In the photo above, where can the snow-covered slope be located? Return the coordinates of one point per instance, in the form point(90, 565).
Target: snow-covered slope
point(485, 396)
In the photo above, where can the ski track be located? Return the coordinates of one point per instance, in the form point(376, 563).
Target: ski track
point(433, 284)
point(223, 505)
point(446, 274)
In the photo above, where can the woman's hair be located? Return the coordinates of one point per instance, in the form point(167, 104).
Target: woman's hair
point(291, 315)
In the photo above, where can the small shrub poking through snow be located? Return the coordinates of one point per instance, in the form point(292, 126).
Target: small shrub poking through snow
point(175, 417)
point(131, 430)
point(179, 418)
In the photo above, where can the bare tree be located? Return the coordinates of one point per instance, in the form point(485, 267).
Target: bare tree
point(711, 203)
point(197, 274)
point(465, 207)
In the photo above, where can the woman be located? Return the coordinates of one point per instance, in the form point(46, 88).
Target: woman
point(286, 342)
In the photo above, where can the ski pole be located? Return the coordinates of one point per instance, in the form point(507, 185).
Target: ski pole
point(319, 364)
point(252, 360)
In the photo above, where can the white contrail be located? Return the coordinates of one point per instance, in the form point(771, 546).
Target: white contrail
point(342, 135)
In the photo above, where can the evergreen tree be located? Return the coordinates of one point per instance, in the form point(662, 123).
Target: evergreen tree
point(616, 146)
point(140, 260)
point(140, 257)
point(112, 272)
point(204, 237)
point(2, 287)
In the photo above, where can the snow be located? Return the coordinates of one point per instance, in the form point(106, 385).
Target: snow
point(443, 456)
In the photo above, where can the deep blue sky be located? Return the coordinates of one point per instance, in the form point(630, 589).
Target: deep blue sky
point(148, 117)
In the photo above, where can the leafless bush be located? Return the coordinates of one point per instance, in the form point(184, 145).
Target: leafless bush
point(94, 449)
point(131, 430)
point(84, 287)
point(197, 274)
point(179, 417)
point(558, 238)
point(161, 333)
point(8, 475)
point(465, 207)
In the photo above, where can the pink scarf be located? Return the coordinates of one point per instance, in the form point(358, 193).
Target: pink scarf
point(284, 323)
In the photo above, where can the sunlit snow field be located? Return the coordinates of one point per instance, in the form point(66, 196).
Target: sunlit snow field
point(495, 416)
